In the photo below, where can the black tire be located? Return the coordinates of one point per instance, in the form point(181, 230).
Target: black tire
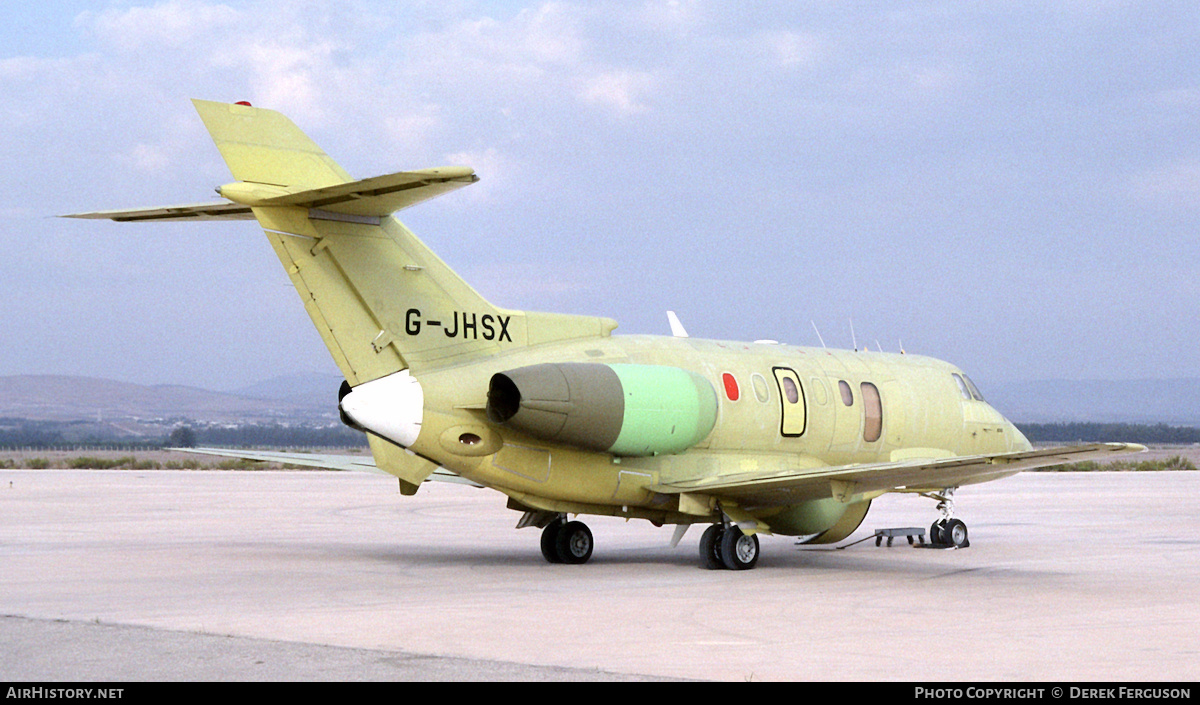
point(550, 541)
point(954, 533)
point(710, 547)
point(935, 534)
point(739, 551)
point(574, 543)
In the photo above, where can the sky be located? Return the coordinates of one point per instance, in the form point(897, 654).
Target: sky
point(1013, 187)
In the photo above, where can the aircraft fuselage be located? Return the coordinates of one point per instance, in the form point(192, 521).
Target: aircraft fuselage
point(778, 406)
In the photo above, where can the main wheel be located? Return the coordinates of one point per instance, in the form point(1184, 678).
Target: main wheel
point(710, 547)
point(550, 541)
point(738, 551)
point(574, 543)
point(954, 533)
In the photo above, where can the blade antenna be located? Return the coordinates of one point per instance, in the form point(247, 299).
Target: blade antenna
point(853, 338)
point(676, 327)
point(814, 325)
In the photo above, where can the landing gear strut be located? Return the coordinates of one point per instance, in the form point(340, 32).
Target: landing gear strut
point(947, 531)
point(567, 542)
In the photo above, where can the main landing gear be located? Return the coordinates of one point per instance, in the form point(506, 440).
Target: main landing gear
point(947, 531)
point(727, 547)
point(567, 542)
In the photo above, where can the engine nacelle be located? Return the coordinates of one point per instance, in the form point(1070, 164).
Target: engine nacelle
point(821, 520)
point(629, 410)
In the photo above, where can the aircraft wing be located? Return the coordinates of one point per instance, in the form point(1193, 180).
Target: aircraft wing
point(778, 487)
point(349, 463)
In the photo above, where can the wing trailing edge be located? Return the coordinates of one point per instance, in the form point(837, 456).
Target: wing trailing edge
point(846, 482)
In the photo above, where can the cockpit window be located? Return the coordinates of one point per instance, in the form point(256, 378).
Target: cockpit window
point(962, 386)
point(974, 390)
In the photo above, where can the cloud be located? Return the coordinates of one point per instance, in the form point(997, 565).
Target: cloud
point(496, 172)
point(172, 24)
point(148, 158)
point(788, 49)
point(413, 128)
point(525, 48)
point(622, 92)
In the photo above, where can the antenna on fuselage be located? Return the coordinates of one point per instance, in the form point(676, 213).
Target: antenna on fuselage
point(853, 338)
point(676, 327)
point(901, 346)
point(814, 325)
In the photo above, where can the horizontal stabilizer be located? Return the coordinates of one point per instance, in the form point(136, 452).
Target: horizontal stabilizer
point(194, 211)
point(380, 195)
point(377, 197)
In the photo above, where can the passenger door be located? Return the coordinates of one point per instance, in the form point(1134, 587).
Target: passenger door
point(791, 400)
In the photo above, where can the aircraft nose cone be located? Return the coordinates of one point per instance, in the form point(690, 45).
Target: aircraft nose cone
point(391, 407)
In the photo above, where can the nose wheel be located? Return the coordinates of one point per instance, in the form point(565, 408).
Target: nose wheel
point(947, 531)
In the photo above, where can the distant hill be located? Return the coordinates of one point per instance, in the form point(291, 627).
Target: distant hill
point(67, 398)
point(313, 398)
point(314, 389)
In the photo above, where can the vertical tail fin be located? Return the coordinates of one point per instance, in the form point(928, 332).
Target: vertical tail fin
point(265, 147)
point(381, 300)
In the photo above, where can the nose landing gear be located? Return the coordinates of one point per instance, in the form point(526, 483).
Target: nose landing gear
point(947, 531)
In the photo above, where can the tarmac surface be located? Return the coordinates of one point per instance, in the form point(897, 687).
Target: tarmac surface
point(178, 575)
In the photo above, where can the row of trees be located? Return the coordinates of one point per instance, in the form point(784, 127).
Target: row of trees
point(1109, 433)
point(22, 433)
point(269, 435)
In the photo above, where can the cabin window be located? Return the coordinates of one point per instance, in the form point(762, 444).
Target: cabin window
point(847, 394)
point(820, 391)
point(760, 387)
point(872, 412)
point(731, 387)
point(962, 386)
point(790, 391)
point(974, 390)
